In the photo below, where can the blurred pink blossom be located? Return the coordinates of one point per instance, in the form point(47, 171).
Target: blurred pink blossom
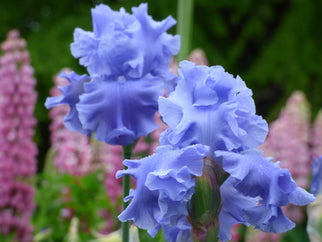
point(199, 57)
point(316, 140)
point(255, 235)
point(17, 149)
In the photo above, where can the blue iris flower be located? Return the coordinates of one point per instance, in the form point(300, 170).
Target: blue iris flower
point(126, 45)
point(211, 107)
point(127, 57)
point(165, 184)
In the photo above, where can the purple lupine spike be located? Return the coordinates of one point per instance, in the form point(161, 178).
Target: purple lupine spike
point(316, 140)
point(288, 142)
point(73, 152)
point(17, 149)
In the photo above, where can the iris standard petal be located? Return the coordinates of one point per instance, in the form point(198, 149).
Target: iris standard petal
point(115, 47)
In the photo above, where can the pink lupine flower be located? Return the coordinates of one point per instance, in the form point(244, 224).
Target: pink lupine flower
point(141, 146)
point(17, 149)
point(72, 149)
point(288, 142)
point(199, 57)
point(110, 222)
point(235, 235)
point(316, 140)
point(112, 157)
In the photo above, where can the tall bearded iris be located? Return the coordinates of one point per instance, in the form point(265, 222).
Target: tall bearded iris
point(127, 57)
point(211, 108)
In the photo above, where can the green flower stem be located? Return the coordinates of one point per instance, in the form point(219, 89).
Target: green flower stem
point(184, 26)
point(127, 153)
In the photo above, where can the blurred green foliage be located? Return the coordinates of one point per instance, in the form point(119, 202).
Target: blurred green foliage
point(84, 197)
point(275, 46)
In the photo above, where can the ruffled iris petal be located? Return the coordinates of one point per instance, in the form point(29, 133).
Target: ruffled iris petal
point(70, 95)
point(268, 219)
point(253, 176)
point(157, 56)
point(115, 45)
point(232, 210)
point(118, 112)
point(165, 184)
point(211, 107)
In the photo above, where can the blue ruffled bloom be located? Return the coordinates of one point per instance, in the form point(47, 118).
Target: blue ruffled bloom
point(316, 186)
point(255, 192)
point(165, 184)
point(211, 107)
point(127, 57)
point(126, 45)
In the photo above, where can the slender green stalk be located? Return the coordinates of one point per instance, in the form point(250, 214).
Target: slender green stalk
point(127, 153)
point(184, 26)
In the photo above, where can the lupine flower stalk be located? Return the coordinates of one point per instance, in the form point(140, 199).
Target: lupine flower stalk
point(314, 210)
point(17, 149)
point(288, 141)
point(112, 157)
point(316, 136)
